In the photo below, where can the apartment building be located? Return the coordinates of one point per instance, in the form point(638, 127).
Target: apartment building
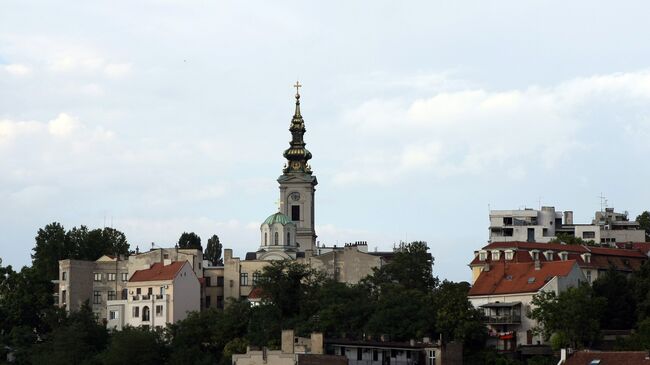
point(543, 225)
point(162, 294)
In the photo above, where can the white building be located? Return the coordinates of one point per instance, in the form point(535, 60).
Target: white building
point(157, 296)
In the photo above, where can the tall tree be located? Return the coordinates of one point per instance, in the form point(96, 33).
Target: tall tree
point(134, 345)
point(190, 240)
point(644, 223)
point(213, 250)
point(621, 304)
point(456, 318)
point(573, 315)
point(411, 267)
point(51, 246)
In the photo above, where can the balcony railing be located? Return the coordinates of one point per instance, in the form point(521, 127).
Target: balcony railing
point(505, 319)
point(149, 297)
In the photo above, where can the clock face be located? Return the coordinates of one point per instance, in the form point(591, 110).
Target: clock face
point(295, 196)
point(296, 165)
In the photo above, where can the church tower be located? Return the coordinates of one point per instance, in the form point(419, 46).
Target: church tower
point(297, 184)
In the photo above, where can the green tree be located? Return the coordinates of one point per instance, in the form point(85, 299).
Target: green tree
point(574, 313)
point(644, 223)
point(77, 340)
point(134, 345)
point(190, 240)
point(51, 246)
point(235, 346)
point(569, 239)
point(213, 250)
point(621, 304)
point(411, 267)
point(456, 318)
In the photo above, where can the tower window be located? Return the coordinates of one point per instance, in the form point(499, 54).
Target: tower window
point(295, 212)
point(265, 237)
point(276, 239)
point(288, 238)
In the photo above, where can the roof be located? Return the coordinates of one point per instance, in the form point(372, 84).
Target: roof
point(278, 218)
point(158, 271)
point(609, 358)
point(507, 278)
point(256, 293)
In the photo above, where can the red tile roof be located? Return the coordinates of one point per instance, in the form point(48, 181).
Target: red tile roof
point(609, 358)
point(256, 293)
point(509, 278)
point(158, 271)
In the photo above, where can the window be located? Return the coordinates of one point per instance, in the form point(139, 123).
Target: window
point(125, 276)
point(265, 239)
point(256, 277)
point(276, 239)
point(589, 276)
point(219, 301)
point(295, 212)
point(113, 315)
point(535, 254)
point(588, 234)
point(97, 297)
point(219, 281)
point(509, 254)
point(496, 255)
point(98, 276)
point(112, 295)
point(125, 294)
point(359, 354)
point(136, 312)
point(243, 279)
point(159, 310)
point(288, 238)
point(482, 255)
point(432, 357)
point(375, 355)
point(64, 296)
point(564, 256)
point(64, 276)
point(165, 256)
point(138, 291)
point(111, 276)
point(208, 281)
point(207, 301)
point(145, 313)
point(507, 221)
point(342, 351)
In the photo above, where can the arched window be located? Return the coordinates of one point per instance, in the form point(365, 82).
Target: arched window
point(145, 313)
point(265, 242)
point(276, 238)
point(288, 238)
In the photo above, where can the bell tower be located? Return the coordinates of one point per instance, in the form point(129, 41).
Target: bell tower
point(297, 183)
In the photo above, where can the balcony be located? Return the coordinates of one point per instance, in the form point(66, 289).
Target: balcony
point(149, 297)
point(502, 319)
point(502, 313)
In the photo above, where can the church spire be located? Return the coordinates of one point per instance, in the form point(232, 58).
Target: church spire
point(297, 155)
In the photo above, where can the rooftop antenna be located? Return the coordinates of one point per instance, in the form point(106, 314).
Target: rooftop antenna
point(539, 201)
point(603, 202)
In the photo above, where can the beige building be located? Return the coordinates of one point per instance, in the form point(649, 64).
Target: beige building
point(157, 296)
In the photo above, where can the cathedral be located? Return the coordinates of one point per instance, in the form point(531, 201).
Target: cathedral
point(290, 231)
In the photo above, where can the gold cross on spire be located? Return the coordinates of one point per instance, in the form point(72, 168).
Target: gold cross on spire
point(297, 86)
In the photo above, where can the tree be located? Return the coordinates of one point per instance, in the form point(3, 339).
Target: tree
point(411, 267)
point(213, 250)
point(456, 318)
point(621, 304)
point(190, 240)
point(51, 246)
point(570, 239)
point(134, 345)
point(401, 313)
point(644, 223)
point(574, 314)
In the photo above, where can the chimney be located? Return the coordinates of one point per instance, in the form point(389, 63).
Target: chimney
point(568, 217)
point(317, 343)
point(538, 265)
point(287, 341)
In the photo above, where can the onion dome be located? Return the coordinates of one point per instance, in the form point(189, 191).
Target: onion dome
point(278, 218)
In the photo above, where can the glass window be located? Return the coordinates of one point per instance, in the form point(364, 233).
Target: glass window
point(98, 276)
point(256, 277)
point(243, 279)
point(125, 294)
point(97, 297)
point(159, 311)
point(125, 276)
point(145, 313)
point(112, 295)
point(276, 239)
point(113, 315)
point(295, 212)
point(207, 301)
point(219, 281)
point(111, 276)
point(64, 276)
point(64, 295)
point(265, 239)
point(136, 312)
point(359, 354)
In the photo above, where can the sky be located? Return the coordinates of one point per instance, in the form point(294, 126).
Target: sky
point(159, 117)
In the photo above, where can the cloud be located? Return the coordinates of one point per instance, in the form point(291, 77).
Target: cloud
point(17, 69)
point(116, 70)
point(63, 125)
point(472, 131)
point(10, 129)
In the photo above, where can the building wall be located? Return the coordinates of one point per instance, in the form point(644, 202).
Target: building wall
point(306, 236)
point(78, 285)
point(214, 286)
point(347, 265)
point(144, 260)
point(186, 294)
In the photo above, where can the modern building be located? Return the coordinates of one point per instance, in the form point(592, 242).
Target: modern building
point(369, 352)
point(157, 296)
point(504, 291)
point(608, 227)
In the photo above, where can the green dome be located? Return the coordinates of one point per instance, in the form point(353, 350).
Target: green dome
point(278, 218)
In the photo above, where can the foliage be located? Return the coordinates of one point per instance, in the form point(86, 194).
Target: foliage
point(411, 267)
point(53, 243)
point(575, 313)
point(570, 239)
point(621, 304)
point(235, 346)
point(456, 318)
point(644, 223)
point(134, 345)
point(641, 290)
point(77, 340)
point(190, 240)
point(213, 250)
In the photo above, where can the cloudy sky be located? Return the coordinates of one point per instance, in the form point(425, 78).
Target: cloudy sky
point(158, 117)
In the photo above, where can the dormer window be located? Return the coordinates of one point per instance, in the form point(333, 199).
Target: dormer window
point(509, 254)
point(548, 255)
point(586, 257)
point(535, 255)
point(496, 255)
point(482, 255)
point(564, 255)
